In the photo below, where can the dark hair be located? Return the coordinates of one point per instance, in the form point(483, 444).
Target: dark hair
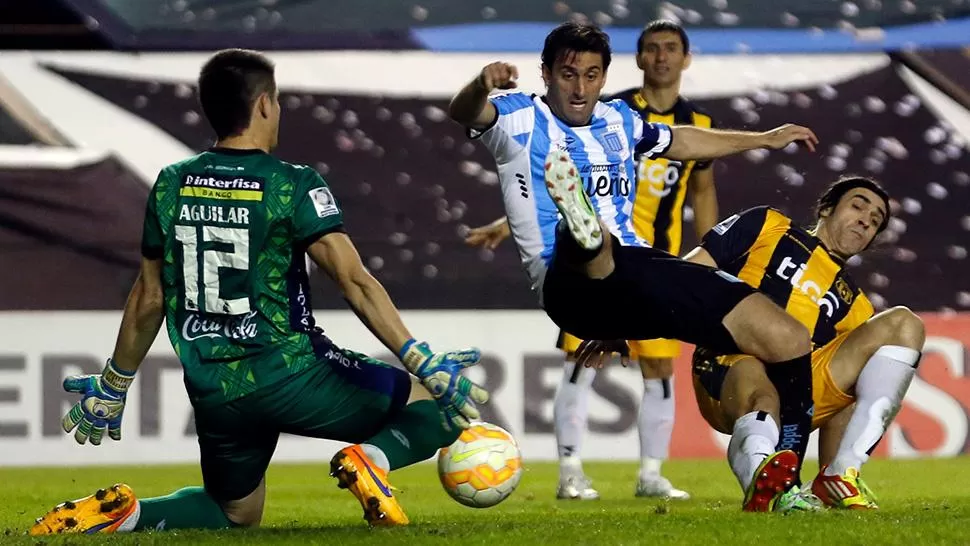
point(836, 191)
point(663, 25)
point(577, 38)
point(229, 84)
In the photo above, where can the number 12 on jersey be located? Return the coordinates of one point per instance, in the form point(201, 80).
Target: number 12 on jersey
point(205, 251)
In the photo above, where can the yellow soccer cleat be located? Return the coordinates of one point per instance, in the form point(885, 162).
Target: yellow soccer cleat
point(867, 494)
point(368, 482)
point(775, 475)
point(847, 491)
point(103, 512)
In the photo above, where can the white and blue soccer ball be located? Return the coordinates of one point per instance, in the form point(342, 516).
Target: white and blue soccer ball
point(482, 468)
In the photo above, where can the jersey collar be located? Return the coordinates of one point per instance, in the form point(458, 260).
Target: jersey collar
point(641, 102)
point(839, 260)
point(235, 151)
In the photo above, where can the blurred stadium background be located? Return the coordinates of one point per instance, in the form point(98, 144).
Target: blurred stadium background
point(97, 95)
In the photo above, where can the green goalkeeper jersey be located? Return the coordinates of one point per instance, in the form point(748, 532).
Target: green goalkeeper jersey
point(232, 228)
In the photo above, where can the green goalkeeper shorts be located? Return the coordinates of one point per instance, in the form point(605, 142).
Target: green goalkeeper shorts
point(349, 397)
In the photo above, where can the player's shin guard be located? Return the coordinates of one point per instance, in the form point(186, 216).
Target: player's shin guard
point(793, 381)
point(413, 435)
point(880, 390)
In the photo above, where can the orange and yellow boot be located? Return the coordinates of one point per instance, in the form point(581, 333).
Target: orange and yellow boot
point(103, 512)
point(368, 482)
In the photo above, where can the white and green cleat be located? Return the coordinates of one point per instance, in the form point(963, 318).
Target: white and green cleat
point(796, 500)
point(565, 187)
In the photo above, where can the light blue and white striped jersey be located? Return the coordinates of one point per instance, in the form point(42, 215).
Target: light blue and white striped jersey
point(523, 135)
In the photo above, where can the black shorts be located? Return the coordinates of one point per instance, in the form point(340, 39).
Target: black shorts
point(708, 372)
point(650, 294)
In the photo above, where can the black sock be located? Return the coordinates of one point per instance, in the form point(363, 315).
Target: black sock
point(793, 381)
point(568, 250)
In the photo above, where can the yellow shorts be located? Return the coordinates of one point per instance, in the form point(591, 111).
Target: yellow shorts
point(829, 399)
point(649, 348)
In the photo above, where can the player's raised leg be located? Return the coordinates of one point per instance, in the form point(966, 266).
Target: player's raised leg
point(889, 345)
point(571, 417)
point(579, 236)
point(655, 422)
point(565, 186)
point(753, 324)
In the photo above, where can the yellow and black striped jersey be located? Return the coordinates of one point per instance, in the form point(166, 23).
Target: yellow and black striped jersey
point(763, 248)
point(661, 182)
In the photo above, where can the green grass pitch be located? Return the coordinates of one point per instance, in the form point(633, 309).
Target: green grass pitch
point(923, 502)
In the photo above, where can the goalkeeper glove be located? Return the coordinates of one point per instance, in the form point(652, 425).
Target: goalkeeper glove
point(102, 404)
point(440, 373)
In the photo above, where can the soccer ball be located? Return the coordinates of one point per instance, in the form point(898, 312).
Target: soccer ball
point(482, 468)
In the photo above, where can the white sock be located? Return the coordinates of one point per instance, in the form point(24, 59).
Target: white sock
point(570, 413)
point(131, 521)
point(880, 390)
point(753, 439)
point(650, 467)
point(655, 424)
point(377, 456)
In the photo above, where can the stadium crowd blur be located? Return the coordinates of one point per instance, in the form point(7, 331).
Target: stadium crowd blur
point(411, 184)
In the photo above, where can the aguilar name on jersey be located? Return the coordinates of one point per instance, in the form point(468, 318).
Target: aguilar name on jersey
point(232, 228)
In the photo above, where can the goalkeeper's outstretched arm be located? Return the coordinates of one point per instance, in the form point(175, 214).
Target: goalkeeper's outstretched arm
point(143, 316)
point(336, 255)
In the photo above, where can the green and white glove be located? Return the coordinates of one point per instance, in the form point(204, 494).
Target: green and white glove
point(440, 373)
point(102, 404)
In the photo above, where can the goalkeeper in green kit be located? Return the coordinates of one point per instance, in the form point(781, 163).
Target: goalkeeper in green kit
point(225, 239)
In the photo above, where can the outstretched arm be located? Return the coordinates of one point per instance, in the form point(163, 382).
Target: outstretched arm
point(440, 373)
point(471, 107)
point(689, 142)
point(337, 256)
